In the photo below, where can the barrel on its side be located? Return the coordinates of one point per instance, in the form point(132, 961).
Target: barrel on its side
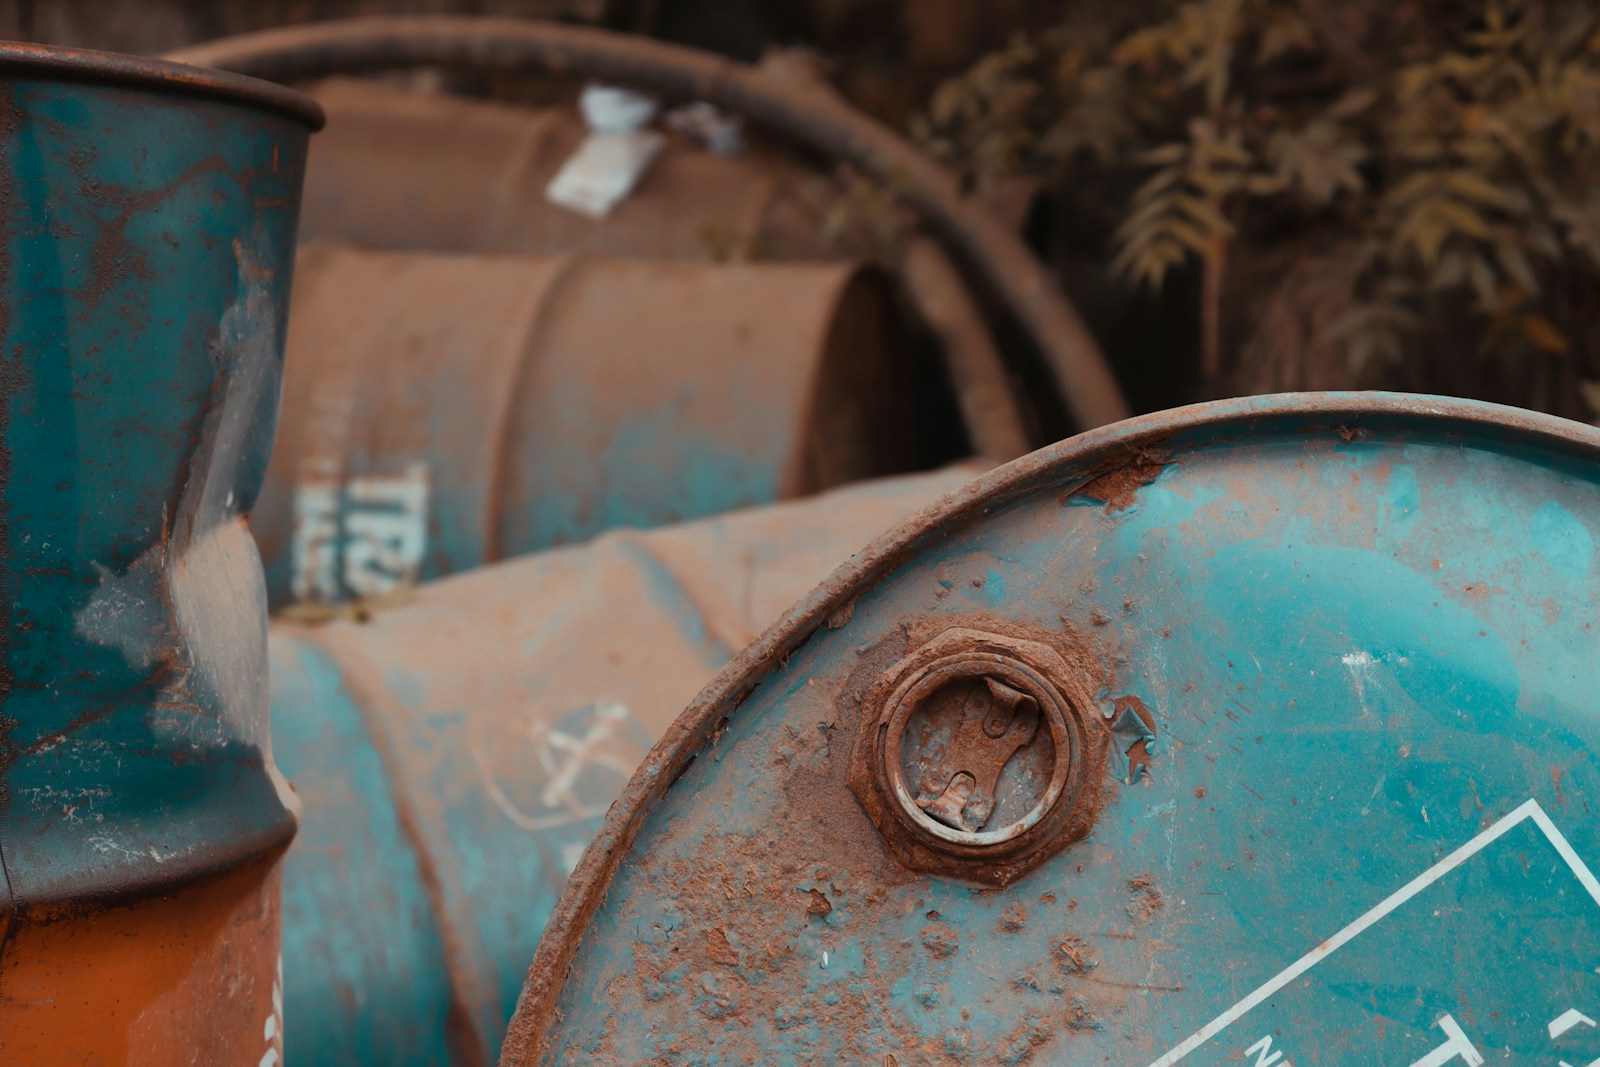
point(480, 185)
point(148, 217)
point(1258, 732)
point(454, 755)
point(443, 411)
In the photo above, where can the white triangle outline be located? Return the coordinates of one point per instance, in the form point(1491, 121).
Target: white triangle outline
point(1529, 809)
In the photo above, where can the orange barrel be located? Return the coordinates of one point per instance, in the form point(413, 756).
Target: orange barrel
point(446, 410)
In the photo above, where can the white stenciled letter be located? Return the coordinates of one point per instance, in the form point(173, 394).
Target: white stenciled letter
point(1567, 1020)
point(1265, 1055)
point(1457, 1047)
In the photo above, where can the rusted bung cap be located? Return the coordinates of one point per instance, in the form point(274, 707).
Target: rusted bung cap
point(86, 65)
point(1234, 734)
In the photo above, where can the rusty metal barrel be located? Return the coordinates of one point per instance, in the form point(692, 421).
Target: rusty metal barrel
point(147, 226)
point(480, 185)
point(455, 754)
point(447, 410)
point(1259, 732)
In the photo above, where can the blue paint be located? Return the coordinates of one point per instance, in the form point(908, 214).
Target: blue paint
point(1357, 666)
point(1562, 538)
point(653, 471)
point(354, 877)
point(449, 709)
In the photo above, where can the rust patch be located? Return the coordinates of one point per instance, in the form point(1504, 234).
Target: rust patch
point(816, 804)
point(1080, 1017)
point(941, 940)
point(1002, 682)
point(718, 950)
point(113, 256)
point(1075, 956)
point(1138, 759)
point(1145, 899)
point(1119, 487)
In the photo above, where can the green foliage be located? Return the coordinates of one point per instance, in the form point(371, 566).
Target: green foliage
point(1438, 157)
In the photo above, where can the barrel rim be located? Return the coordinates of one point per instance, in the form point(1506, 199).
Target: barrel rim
point(89, 66)
point(1114, 447)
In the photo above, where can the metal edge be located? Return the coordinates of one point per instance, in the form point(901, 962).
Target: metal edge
point(73, 894)
point(85, 65)
point(801, 109)
point(704, 720)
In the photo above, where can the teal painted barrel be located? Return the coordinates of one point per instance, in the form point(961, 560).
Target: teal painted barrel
point(147, 222)
point(1261, 732)
point(455, 754)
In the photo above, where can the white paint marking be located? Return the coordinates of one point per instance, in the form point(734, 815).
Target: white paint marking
point(272, 1031)
point(1566, 1021)
point(1360, 664)
point(1529, 809)
point(590, 748)
point(1457, 1046)
point(562, 758)
point(1564, 848)
point(1367, 808)
point(532, 824)
point(365, 537)
point(1260, 1051)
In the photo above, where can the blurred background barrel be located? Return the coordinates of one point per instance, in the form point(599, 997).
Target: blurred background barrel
point(455, 754)
point(446, 410)
point(480, 184)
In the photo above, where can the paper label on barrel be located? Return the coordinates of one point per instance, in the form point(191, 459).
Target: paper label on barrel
point(1491, 955)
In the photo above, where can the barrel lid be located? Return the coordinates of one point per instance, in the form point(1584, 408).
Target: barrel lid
point(87, 65)
point(1316, 673)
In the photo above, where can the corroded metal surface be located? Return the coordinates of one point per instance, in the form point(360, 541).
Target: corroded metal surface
point(792, 108)
point(20, 61)
point(148, 228)
point(481, 186)
point(442, 411)
point(1345, 647)
point(191, 975)
point(455, 754)
point(976, 749)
